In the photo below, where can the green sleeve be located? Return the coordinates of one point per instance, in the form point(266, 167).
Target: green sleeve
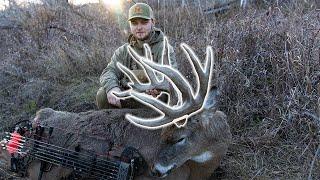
point(172, 55)
point(111, 75)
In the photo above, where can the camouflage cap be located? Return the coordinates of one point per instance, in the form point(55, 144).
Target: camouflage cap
point(140, 10)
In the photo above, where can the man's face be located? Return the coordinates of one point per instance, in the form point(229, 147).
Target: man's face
point(141, 28)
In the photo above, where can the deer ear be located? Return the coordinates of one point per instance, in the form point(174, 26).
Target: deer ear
point(212, 97)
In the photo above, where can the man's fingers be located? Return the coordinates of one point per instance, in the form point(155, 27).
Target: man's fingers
point(114, 101)
point(153, 92)
point(156, 92)
point(118, 103)
point(111, 100)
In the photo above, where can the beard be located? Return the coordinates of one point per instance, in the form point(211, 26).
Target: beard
point(146, 36)
point(143, 38)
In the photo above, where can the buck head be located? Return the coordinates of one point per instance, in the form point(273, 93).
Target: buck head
point(205, 136)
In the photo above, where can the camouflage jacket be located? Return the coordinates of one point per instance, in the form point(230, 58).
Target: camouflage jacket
point(112, 76)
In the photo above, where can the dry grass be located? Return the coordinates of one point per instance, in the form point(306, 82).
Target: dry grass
point(268, 61)
point(267, 58)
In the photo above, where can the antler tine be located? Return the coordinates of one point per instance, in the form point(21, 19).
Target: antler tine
point(134, 80)
point(206, 73)
point(165, 59)
point(175, 77)
point(148, 53)
point(165, 53)
point(158, 83)
point(154, 82)
point(148, 57)
point(155, 103)
point(133, 84)
point(128, 73)
point(124, 94)
point(149, 71)
point(192, 57)
point(198, 69)
point(136, 85)
point(209, 60)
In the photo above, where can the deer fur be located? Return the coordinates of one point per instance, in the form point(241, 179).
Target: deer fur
point(94, 130)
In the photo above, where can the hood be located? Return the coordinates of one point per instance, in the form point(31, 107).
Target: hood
point(156, 36)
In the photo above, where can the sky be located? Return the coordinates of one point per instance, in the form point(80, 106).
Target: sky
point(115, 3)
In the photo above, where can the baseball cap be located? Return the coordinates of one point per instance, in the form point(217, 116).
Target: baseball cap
point(140, 10)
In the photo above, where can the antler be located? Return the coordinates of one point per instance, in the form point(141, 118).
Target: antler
point(155, 82)
point(191, 102)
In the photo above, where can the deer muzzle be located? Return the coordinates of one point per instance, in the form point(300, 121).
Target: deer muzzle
point(157, 170)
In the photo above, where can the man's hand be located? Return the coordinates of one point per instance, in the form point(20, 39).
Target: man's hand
point(153, 92)
point(112, 99)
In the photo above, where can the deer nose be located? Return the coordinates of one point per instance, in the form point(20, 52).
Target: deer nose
point(155, 172)
point(161, 171)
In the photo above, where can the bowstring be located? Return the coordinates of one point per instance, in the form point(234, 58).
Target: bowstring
point(53, 159)
point(59, 147)
point(47, 146)
point(48, 152)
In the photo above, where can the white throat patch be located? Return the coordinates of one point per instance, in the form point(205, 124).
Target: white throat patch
point(163, 169)
point(205, 156)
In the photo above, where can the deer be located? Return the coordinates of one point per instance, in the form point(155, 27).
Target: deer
point(187, 141)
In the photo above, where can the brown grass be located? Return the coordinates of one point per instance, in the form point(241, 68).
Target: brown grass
point(267, 58)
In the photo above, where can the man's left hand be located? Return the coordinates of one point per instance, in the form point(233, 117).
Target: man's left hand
point(153, 92)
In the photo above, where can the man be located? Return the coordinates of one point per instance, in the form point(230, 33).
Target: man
point(142, 28)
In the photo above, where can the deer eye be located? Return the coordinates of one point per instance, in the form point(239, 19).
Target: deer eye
point(181, 140)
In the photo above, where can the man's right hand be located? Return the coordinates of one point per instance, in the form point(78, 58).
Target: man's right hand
point(112, 99)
